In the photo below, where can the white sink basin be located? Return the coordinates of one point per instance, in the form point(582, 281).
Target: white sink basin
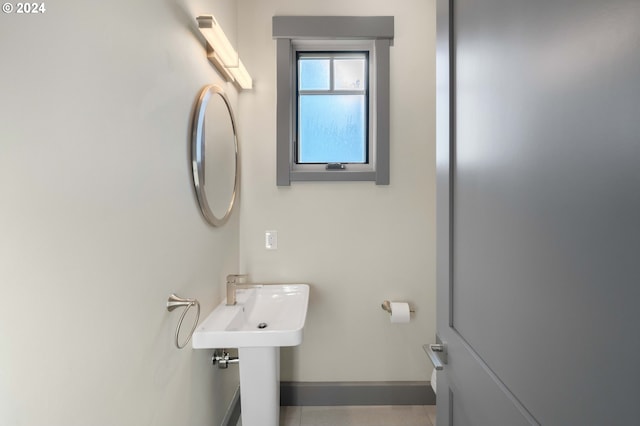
point(262, 320)
point(281, 307)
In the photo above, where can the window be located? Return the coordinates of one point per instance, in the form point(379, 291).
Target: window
point(332, 108)
point(332, 98)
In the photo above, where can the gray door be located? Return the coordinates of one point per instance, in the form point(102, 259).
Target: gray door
point(539, 212)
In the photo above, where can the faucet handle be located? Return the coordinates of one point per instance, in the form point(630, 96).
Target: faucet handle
point(234, 278)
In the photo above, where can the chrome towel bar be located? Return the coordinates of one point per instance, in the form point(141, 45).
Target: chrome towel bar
point(175, 302)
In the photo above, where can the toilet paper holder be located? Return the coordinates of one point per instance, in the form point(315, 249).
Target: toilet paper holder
point(386, 305)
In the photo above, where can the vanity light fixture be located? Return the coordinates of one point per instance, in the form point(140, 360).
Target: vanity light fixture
point(222, 54)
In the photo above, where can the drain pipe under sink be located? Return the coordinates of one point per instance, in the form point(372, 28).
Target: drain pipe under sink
point(222, 359)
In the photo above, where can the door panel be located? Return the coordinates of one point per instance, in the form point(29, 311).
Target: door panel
point(539, 210)
point(471, 377)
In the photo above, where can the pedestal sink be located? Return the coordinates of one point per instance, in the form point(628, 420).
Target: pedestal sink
point(263, 319)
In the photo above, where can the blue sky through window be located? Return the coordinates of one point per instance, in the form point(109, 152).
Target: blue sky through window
point(332, 129)
point(332, 125)
point(314, 74)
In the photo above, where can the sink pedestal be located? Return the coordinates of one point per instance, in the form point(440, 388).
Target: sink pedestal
point(260, 385)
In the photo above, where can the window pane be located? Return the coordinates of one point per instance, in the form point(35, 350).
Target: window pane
point(349, 74)
point(332, 129)
point(314, 74)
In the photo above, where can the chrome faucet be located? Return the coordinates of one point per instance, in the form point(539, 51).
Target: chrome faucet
point(233, 284)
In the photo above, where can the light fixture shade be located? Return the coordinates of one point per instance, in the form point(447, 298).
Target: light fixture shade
point(222, 54)
point(217, 40)
point(241, 76)
point(217, 62)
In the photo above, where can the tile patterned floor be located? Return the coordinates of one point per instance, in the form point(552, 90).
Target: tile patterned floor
point(359, 415)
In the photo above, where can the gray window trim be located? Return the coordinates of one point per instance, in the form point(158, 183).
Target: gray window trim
point(288, 29)
point(333, 27)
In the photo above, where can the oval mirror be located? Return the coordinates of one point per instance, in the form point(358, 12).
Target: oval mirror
point(214, 155)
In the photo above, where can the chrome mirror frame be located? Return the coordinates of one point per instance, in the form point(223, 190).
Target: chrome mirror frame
point(198, 154)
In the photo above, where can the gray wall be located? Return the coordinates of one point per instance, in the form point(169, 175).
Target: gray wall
point(356, 243)
point(98, 222)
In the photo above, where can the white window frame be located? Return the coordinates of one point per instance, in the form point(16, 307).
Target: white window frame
point(331, 33)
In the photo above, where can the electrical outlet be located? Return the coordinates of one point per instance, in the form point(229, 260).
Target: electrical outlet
point(271, 240)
